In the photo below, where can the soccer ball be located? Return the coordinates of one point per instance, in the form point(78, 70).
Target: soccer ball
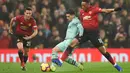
point(45, 67)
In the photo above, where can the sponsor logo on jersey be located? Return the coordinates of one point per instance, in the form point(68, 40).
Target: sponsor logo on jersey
point(24, 27)
point(87, 18)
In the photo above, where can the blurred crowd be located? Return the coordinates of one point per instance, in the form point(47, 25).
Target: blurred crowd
point(50, 18)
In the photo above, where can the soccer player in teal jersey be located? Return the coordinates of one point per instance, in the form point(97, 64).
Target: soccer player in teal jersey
point(74, 29)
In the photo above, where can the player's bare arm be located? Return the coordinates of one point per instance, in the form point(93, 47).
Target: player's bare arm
point(31, 36)
point(10, 28)
point(107, 10)
point(111, 10)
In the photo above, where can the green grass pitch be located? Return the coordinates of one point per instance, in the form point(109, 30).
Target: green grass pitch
point(93, 67)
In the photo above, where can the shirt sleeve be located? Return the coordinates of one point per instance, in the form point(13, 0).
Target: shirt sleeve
point(97, 10)
point(80, 29)
point(34, 26)
point(17, 18)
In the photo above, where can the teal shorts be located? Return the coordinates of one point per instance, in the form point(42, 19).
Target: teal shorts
point(64, 44)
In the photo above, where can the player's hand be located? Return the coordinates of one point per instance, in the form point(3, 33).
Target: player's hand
point(78, 37)
point(10, 31)
point(118, 9)
point(27, 38)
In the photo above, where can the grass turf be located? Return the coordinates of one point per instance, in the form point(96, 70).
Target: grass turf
point(95, 67)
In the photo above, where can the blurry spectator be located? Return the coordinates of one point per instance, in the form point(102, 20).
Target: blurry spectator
point(109, 4)
point(55, 38)
point(55, 16)
point(4, 15)
point(120, 38)
point(110, 29)
point(127, 25)
point(21, 8)
point(10, 5)
point(62, 9)
point(56, 3)
point(36, 15)
point(127, 29)
point(118, 23)
point(116, 5)
point(43, 4)
point(104, 37)
point(123, 16)
point(41, 41)
point(102, 3)
point(46, 18)
point(17, 12)
point(61, 26)
point(5, 39)
point(1, 26)
point(45, 30)
point(32, 2)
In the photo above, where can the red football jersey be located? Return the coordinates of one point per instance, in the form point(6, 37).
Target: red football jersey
point(24, 27)
point(89, 18)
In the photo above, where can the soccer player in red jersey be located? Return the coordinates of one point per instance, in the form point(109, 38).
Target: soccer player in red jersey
point(89, 19)
point(26, 29)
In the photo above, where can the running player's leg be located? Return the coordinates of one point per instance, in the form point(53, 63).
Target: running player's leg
point(26, 46)
point(25, 56)
point(55, 60)
point(97, 42)
point(59, 48)
point(71, 61)
point(74, 44)
point(69, 49)
point(20, 51)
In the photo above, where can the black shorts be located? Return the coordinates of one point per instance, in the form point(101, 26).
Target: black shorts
point(26, 43)
point(93, 36)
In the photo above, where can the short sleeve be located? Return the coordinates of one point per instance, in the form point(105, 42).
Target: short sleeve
point(34, 26)
point(97, 10)
point(17, 18)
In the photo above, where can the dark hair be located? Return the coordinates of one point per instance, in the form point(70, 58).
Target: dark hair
point(87, 1)
point(28, 8)
point(70, 11)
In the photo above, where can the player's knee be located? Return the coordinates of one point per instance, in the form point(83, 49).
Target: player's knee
point(74, 43)
point(26, 51)
point(102, 49)
point(20, 45)
point(55, 49)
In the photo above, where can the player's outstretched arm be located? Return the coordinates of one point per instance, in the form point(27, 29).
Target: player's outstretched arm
point(10, 27)
point(111, 10)
point(34, 33)
point(31, 36)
